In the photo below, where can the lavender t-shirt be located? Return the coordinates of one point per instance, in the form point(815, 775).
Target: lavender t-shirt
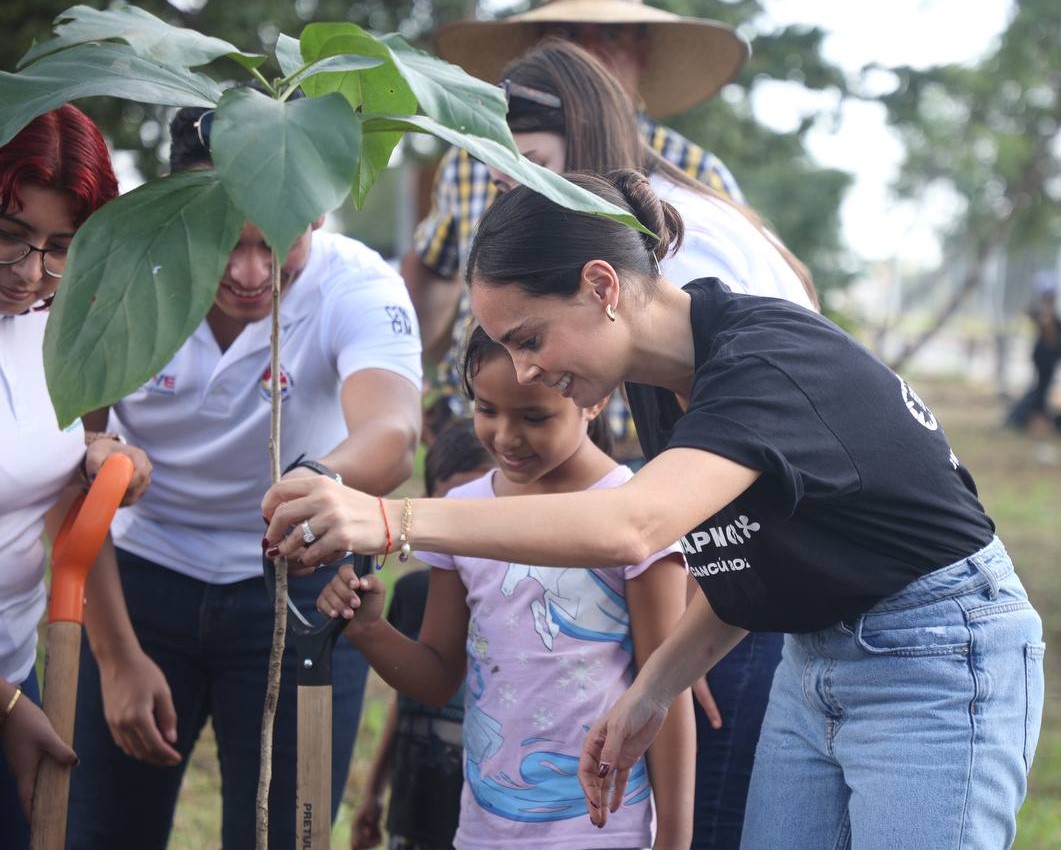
point(549, 651)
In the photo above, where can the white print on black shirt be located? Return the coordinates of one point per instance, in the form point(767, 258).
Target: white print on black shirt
point(733, 534)
point(918, 409)
point(722, 565)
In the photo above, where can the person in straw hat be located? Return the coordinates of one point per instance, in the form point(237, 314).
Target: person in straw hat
point(665, 62)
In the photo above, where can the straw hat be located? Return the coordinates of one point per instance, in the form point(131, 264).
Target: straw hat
point(688, 59)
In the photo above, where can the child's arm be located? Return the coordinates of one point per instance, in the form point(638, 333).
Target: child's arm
point(429, 670)
point(365, 830)
point(657, 601)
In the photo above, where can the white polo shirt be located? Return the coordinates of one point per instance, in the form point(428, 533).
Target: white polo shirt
point(720, 242)
point(204, 418)
point(36, 462)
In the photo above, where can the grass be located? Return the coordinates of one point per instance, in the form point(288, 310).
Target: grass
point(1023, 496)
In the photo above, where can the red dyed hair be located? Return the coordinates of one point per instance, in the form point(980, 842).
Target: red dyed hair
point(61, 150)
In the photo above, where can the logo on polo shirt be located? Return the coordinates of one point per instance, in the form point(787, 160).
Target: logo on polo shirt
point(918, 409)
point(162, 384)
point(287, 384)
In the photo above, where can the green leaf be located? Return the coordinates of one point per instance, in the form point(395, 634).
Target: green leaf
point(288, 55)
point(452, 97)
point(285, 164)
point(96, 69)
point(380, 89)
point(330, 64)
point(152, 39)
point(542, 180)
point(142, 273)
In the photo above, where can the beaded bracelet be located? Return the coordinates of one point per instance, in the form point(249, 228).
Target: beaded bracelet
point(406, 546)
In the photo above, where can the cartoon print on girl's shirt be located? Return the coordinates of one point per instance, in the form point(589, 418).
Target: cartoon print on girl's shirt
point(581, 605)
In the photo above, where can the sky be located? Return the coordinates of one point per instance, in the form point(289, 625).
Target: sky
point(898, 32)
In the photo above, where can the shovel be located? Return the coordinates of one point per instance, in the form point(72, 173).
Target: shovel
point(76, 547)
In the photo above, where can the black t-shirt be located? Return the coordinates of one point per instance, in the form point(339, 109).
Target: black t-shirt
point(860, 492)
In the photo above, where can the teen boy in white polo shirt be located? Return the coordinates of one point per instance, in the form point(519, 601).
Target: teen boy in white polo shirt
point(190, 553)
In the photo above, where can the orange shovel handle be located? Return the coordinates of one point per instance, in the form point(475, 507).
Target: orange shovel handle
point(81, 537)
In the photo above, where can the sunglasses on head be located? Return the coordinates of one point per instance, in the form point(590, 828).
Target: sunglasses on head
point(203, 124)
point(542, 98)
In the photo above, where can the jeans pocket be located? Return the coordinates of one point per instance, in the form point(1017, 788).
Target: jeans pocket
point(1034, 683)
point(935, 629)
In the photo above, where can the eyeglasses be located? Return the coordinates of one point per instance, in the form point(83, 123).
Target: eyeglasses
point(14, 250)
point(542, 98)
point(203, 124)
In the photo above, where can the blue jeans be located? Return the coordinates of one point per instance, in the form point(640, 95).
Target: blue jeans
point(740, 684)
point(212, 642)
point(911, 726)
point(14, 828)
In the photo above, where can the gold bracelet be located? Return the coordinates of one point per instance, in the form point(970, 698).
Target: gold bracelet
point(405, 549)
point(11, 706)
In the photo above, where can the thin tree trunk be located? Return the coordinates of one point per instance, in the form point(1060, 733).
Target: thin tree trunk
point(276, 653)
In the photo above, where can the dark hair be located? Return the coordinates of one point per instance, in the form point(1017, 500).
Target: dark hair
point(596, 118)
point(526, 239)
point(455, 449)
point(600, 129)
point(186, 151)
point(61, 150)
point(481, 348)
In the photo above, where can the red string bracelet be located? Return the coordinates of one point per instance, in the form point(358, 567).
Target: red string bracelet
point(387, 529)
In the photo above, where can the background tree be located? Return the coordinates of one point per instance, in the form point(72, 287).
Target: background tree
point(989, 135)
point(797, 196)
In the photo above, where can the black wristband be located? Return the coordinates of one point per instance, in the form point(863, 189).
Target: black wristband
point(316, 466)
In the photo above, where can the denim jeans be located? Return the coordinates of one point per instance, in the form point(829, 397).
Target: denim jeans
point(212, 642)
point(740, 684)
point(912, 726)
point(14, 828)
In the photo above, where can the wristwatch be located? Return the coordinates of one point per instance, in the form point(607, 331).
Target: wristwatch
point(316, 466)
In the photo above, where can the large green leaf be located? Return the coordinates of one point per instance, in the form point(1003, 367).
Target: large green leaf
point(380, 89)
point(142, 273)
point(542, 180)
point(150, 37)
point(96, 69)
point(451, 96)
point(285, 163)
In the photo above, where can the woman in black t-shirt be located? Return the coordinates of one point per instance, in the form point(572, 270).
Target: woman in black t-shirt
point(814, 493)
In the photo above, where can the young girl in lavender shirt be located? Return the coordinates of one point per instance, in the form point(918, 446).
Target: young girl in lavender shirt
point(543, 650)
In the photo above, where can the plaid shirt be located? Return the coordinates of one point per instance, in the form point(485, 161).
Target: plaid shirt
point(463, 191)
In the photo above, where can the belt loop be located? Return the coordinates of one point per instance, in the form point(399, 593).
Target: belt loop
point(985, 570)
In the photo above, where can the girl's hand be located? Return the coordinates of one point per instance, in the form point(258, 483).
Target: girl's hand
point(612, 746)
point(28, 737)
point(702, 694)
point(340, 519)
point(346, 595)
point(101, 447)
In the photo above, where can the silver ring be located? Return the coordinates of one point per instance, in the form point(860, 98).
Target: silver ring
point(308, 537)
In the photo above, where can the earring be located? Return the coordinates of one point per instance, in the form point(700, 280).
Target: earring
point(609, 311)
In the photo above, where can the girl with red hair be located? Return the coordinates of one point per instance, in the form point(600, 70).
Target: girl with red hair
point(53, 175)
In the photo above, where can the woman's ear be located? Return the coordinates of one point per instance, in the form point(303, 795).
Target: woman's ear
point(593, 412)
point(600, 281)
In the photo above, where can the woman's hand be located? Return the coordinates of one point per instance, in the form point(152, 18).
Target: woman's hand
point(338, 519)
point(139, 709)
point(612, 746)
point(99, 447)
point(28, 737)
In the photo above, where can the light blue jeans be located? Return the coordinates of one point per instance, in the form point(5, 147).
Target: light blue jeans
point(912, 727)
